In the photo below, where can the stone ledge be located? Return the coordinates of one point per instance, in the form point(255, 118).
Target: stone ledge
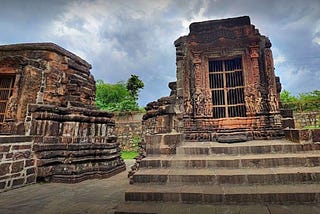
point(44, 47)
point(15, 139)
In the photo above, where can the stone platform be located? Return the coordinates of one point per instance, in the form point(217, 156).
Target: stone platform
point(255, 172)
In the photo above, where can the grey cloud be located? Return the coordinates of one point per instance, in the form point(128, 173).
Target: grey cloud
point(137, 36)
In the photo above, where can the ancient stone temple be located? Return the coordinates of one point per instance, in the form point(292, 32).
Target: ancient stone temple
point(217, 138)
point(226, 87)
point(49, 127)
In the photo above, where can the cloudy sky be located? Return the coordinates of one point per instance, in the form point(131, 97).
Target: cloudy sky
point(123, 37)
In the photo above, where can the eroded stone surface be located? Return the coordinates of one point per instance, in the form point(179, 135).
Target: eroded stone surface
point(52, 102)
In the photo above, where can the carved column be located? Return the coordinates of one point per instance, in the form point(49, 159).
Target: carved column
point(253, 98)
point(273, 98)
point(201, 96)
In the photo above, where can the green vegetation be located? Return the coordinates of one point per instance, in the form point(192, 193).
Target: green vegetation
point(129, 154)
point(303, 102)
point(312, 127)
point(119, 97)
point(132, 154)
point(134, 84)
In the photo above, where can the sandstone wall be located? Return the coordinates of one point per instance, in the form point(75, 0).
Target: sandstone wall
point(44, 74)
point(17, 166)
point(128, 129)
point(306, 119)
point(53, 102)
point(74, 144)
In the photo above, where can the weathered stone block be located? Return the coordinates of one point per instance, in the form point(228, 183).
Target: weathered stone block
point(21, 147)
point(4, 168)
point(4, 148)
point(287, 123)
point(2, 185)
point(18, 182)
point(315, 135)
point(17, 166)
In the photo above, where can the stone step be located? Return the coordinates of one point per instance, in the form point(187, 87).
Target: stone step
point(135, 207)
point(225, 194)
point(308, 159)
point(229, 176)
point(251, 147)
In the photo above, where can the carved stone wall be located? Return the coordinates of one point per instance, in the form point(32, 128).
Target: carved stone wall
point(223, 40)
point(53, 103)
point(44, 74)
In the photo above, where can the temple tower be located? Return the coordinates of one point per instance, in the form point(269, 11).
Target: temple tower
point(226, 83)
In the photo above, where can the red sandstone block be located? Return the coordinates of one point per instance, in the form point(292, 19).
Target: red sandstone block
point(4, 168)
point(17, 166)
point(9, 155)
point(18, 182)
point(31, 179)
point(29, 162)
point(4, 148)
point(30, 171)
point(21, 147)
point(21, 155)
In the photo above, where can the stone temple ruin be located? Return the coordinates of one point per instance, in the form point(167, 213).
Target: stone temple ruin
point(226, 89)
point(49, 128)
point(218, 137)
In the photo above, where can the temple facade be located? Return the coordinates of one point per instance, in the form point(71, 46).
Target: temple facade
point(226, 88)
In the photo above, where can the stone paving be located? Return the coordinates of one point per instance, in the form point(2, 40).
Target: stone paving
point(104, 196)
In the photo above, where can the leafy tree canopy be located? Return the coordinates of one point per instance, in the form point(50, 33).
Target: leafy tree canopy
point(134, 84)
point(303, 102)
point(119, 96)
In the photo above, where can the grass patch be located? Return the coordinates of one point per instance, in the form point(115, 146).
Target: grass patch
point(129, 154)
point(311, 127)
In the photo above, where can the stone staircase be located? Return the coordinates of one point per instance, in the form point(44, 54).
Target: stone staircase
point(264, 172)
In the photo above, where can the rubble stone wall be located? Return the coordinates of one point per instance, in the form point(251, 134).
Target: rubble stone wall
point(128, 129)
point(306, 119)
point(17, 166)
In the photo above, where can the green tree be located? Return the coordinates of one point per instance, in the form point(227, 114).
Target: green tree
point(310, 101)
point(134, 84)
point(303, 102)
point(114, 97)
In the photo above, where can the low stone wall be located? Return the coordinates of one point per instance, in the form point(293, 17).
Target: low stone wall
point(128, 129)
point(306, 119)
point(303, 135)
point(17, 166)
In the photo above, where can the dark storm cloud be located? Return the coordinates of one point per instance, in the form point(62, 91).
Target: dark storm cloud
point(123, 37)
point(25, 20)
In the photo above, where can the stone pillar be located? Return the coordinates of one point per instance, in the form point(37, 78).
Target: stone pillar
point(273, 97)
point(253, 97)
point(201, 96)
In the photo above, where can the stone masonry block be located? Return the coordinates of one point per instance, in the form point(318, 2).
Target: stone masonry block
point(4, 148)
point(4, 168)
point(18, 182)
point(17, 166)
point(316, 135)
